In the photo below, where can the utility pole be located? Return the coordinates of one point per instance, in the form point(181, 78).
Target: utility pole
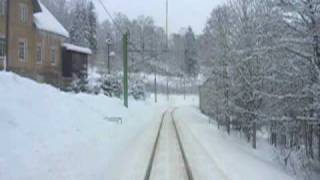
point(184, 87)
point(108, 55)
point(155, 85)
point(7, 35)
point(167, 47)
point(125, 68)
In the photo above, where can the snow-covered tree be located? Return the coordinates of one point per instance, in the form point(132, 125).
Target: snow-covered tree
point(61, 10)
point(191, 59)
point(264, 58)
point(79, 84)
point(79, 31)
point(112, 85)
point(137, 88)
point(92, 22)
point(84, 25)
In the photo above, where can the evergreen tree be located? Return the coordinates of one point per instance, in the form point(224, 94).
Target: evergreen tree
point(111, 85)
point(60, 9)
point(92, 18)
point(191, 63)
point(79, 31)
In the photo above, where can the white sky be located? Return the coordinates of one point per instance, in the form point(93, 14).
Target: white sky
point(182, 13)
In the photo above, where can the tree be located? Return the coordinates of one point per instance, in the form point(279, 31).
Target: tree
point(84, 25)
point(60, 9)
point(264, 57)
point(219, 35)
point(79, 31)
point(92, 18)
point(191, 62)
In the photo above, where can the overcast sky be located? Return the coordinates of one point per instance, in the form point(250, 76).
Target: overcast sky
point(182, 13)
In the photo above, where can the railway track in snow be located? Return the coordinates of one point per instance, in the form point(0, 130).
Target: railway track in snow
point(168, 158)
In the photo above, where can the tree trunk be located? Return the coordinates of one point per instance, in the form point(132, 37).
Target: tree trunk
point(319, 142)
point(228, 123)
point(254, 135)
point(305, 135)
point(310, 139)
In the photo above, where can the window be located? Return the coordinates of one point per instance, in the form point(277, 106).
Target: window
point(3, 7)
point(53, 55)
point(2, 48)
point(23, 13)
point(22, 50)
point(39, 53)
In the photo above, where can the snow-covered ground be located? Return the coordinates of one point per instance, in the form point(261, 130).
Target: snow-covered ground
point(215, 155)
point(48, 134)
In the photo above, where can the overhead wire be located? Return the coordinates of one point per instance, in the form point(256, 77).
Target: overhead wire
point(118, 27)
point(110, 16)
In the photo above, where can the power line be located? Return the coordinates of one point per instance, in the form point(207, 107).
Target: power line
point(134, 47)
point(167, 46)
point(111, 17)
point(117, 25)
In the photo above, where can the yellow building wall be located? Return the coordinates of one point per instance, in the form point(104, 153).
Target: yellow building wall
point(2, 26)
point(45, 71)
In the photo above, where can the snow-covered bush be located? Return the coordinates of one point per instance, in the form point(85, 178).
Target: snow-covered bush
point(95, 89)
point(112, 85)
point(79, 85)
point(137, 90)
point(137, 87)
point(296, 162)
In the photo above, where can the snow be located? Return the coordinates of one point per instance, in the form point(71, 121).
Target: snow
point(49, 134)
point(168, 162)
point(76, 48)
point(44, 20)
point(215, 155)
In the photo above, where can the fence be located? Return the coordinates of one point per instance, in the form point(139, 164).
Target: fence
point(288, 134)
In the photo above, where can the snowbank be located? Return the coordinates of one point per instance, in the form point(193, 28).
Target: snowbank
point(49, 134)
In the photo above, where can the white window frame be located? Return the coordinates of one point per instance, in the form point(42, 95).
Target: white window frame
point(24, 13)
point(40, 45)
point(25, 50)
point(53, 55)
point(3, 7)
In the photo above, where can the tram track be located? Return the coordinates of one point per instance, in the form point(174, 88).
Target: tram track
point(168, 136)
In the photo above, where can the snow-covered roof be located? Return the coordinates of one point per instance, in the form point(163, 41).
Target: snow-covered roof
point(72, 47)
point(44, 20)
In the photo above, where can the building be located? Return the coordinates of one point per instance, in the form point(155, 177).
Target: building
point(77, 60)
point(36, 42)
